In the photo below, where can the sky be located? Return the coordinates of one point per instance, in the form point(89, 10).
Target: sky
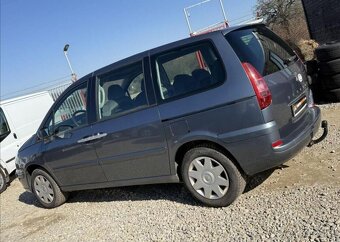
point(99, 32)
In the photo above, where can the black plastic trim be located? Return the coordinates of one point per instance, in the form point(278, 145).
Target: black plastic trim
point(8, 161)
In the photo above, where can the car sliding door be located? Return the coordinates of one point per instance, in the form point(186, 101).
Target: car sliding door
point(133, 144)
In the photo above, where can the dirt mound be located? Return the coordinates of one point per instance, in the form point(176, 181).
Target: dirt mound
point(307, 48)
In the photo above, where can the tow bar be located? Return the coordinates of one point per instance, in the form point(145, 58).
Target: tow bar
point(324, 125)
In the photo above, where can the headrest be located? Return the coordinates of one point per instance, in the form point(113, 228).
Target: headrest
point(115, 92)
point(200, 74)
point(183, 78)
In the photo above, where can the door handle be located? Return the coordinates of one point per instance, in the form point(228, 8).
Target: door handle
point(92, 138)
point(99, 136)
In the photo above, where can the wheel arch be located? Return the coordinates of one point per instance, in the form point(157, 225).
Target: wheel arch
point(185, 147)
point(31, 167)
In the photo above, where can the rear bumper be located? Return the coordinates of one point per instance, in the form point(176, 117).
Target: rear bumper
point(257, 154)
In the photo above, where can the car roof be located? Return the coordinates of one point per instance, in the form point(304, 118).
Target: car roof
point(136, 57)
point(230, 29)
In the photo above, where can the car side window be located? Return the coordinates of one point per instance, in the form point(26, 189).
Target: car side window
point(121, 91)
point(187, 70)
point(70, 113)
point(4, 128)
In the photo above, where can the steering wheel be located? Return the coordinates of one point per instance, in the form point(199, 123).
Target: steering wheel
point(75, 114)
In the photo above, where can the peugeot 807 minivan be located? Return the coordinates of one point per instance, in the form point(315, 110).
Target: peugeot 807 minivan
point(209, 111)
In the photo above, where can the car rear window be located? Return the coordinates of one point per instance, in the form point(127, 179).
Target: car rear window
point(261, 48)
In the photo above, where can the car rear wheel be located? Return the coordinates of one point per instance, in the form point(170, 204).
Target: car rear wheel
point(211, 177)
point(47, 190)
point(3, 184)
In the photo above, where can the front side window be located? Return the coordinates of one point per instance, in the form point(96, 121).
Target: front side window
point(71, 112)
point(121, 91)
point(187, 70)
point(4, 128)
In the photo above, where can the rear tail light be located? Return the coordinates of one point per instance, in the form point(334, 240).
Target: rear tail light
point(264, 97)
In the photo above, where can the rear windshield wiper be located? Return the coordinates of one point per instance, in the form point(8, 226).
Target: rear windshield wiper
point(290, 59)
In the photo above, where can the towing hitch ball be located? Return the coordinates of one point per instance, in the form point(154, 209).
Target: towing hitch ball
point(324, 125)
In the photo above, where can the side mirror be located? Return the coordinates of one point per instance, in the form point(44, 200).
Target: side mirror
point(41, 134)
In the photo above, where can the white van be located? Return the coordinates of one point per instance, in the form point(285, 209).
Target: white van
point(19, 120)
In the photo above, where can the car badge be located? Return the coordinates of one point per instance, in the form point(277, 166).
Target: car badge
point(299, 77)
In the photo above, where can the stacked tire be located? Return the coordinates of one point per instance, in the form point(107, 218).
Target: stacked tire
point(328, 87)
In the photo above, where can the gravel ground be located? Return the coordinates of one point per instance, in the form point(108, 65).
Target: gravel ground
point(299, 201)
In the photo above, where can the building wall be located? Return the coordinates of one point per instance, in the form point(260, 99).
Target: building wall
point(323, 18)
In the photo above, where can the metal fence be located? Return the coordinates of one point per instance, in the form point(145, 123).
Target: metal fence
point(75, 102)
point(56, 91)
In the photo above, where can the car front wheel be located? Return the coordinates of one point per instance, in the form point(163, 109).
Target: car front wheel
point(211, 177)
point(47, 190)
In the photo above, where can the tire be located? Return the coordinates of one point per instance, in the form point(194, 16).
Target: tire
point(3, 183)
point(220, 183)
point(333, 95)
point(46, 190)
point(328, 52)
point(331, 82)
point(311, 67)
point(318, 91)
point(330, 68)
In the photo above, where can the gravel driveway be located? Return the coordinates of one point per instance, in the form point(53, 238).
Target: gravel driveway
point(298, 202)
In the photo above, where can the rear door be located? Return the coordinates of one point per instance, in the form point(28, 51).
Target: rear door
point(133, 144)
point(281, 68)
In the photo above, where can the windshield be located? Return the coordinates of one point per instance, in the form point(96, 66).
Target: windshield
point(4, 128)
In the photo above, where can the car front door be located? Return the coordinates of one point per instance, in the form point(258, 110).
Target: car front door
point(134, 145)
point(68, 149)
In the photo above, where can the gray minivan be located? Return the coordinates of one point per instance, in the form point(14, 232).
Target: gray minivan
point(209, 111)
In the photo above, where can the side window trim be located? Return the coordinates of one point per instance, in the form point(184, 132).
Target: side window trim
point(159, 80)
point(91, 100)
point(148, 81)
